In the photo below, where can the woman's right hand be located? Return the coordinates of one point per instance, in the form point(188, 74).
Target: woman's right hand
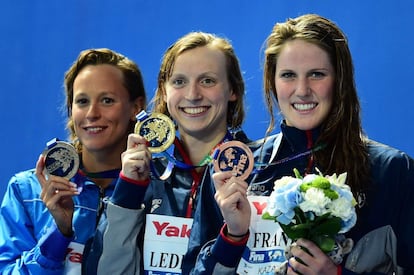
point(231, 197)
point(136, 159)
point(57, 195)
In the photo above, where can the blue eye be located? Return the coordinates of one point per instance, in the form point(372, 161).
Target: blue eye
point(317, 74)
point(178, 82)
point(287, 75)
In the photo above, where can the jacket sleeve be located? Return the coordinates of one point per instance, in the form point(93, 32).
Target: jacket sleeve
point(405, 224)
point(220, 256)
point(120, 254)
point(400, 175)
point(395, 171)
point(22, 251)
point(125, 219)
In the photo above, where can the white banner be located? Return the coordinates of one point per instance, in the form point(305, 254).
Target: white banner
point(266, 245)
point(165, 243)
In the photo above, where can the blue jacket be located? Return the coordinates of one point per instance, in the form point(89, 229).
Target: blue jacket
point(30, 243)
point(386, 215)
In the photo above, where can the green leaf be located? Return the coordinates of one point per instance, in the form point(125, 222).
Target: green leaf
point(299, 215)
point(297, 174)
point(267, 216)
point(328, 226)
point(333, 195)
point(319, 182)
point(292, 234)
point(295, 232)
point(325, 243)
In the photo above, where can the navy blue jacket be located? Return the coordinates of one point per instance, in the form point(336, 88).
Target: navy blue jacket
point(386, 215)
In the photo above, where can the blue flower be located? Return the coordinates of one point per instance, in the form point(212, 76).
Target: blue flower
point(284, 199)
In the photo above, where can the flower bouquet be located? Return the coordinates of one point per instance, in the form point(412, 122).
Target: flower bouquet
point(318, 208)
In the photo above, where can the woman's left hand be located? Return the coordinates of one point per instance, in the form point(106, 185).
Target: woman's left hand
point(232, 199)
point(313, 261)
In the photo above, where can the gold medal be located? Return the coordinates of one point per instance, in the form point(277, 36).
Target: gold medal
point(234, 156)
point(61, 159)
point(157, 129)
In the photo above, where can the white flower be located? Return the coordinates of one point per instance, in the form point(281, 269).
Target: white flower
point(341, 208)
point(314, 200)
point(339, 181)
point(285, 180)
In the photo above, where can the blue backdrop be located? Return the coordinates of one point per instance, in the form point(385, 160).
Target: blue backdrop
point(40, 39)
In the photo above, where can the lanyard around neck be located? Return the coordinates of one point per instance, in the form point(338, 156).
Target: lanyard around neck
point(196, 179)
point(261, 165)
point(186, 164)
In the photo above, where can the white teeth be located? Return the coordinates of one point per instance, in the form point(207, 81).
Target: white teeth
point(304, 107)
point(194, 110)
point(94, 129)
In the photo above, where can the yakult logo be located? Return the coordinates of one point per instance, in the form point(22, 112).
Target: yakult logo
point(165, 244)
point(259, 206)
point(169, 230)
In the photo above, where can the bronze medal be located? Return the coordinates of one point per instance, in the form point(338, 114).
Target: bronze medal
point(234, 156)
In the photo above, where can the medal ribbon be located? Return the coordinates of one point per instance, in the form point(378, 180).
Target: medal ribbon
point(142, 115)
point(196, 179)
point(261, 166)
point(309, 146)
point(172, 161)
point(52, 143)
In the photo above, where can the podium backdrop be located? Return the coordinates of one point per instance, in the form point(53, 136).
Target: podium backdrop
point(40, 39)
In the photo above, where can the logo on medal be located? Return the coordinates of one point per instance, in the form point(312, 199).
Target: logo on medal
point(234, 156)
point(61, 159)
point(157, 129)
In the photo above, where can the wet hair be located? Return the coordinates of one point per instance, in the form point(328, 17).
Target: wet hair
point(192, 40)
point(341, 132)
point(132, 76)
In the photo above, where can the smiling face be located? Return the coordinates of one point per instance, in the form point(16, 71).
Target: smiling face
point(101, 110)
point(198, 92)
point(304, 81)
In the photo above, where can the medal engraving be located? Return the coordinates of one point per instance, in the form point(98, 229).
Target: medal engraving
point(61, 159)
point(234, 156)
point(157, 129)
